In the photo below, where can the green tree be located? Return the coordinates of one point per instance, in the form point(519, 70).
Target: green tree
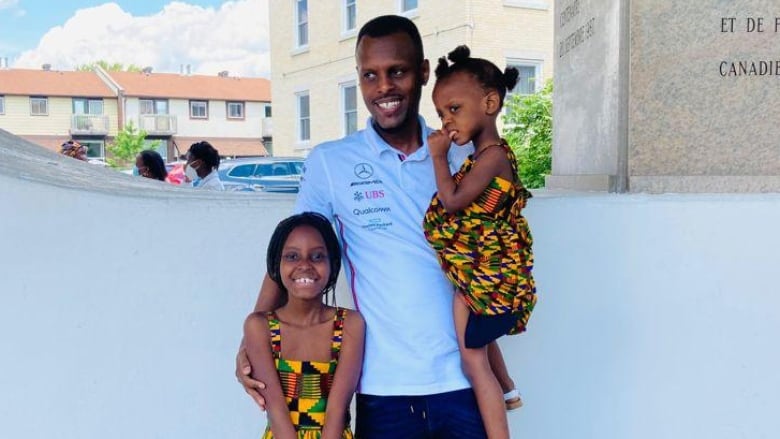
point(127, 144)
point(528, 128)
point(108, 66)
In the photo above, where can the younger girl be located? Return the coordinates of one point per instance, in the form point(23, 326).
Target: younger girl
point(309, 354)
point(475, 225)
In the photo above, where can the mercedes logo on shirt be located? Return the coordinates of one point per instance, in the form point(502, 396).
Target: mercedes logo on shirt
point(363, 170)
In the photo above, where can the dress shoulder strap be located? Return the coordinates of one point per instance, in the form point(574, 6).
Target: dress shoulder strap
point(276, 333)
point(338, 332)
point(522, 193)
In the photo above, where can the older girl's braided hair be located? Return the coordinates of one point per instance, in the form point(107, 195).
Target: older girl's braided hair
point(485, 72)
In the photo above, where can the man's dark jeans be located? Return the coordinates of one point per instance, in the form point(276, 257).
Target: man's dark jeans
point(450, 415)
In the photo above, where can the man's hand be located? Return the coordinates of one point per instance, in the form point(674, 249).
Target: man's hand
point(252, 387)
point(439, 142)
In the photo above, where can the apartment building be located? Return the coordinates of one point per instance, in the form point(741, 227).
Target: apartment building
point(48, 107)
point(313, 67)
point(231, 113)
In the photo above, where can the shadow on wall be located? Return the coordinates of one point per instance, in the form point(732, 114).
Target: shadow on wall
point(123, 300)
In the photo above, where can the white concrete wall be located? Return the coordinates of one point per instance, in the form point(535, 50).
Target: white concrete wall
point(657, 315)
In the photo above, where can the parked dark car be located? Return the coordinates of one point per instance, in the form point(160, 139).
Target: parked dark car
point(268, 174)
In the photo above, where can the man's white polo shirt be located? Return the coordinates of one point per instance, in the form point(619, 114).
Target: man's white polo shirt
point(377, 198)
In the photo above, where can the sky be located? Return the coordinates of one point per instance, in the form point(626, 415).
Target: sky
point(209, 35)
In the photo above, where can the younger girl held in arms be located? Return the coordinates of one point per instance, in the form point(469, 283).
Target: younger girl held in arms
point(312, 374)
point(474, 223)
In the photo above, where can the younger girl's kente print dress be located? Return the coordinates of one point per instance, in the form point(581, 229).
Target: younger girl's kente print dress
point(485, 249)
point(306, 384)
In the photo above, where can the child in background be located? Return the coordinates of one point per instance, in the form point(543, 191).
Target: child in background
point(312, 374)
point(474, 223)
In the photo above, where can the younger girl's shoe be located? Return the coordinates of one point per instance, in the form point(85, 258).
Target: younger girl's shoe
point(512, 400)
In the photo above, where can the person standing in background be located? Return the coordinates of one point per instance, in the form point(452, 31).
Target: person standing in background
point(201, 167)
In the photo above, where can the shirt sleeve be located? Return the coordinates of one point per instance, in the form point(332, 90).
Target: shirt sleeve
point(457, 155)
point(315, 191)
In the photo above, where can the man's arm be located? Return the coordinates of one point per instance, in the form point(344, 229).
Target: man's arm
point(267, 300)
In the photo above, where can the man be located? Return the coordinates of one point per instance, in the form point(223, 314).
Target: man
point(375, 185)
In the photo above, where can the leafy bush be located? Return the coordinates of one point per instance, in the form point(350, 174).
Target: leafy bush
point(528, 129)
point(127, 144)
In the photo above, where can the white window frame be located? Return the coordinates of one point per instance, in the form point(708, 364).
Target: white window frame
point(193, 103)
point(538, 66)
point(2, 104)
point(344, 111)
point(44, 100)
point(154, 105)
point(90, 103)
point(541, 5)
point(412, 12)
point(301, 23)
point(235, 104)
point(101, 148)
point(347, 31)
point(300, 119)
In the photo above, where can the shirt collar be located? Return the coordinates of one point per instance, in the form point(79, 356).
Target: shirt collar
point(379, 145)
point(200, 181)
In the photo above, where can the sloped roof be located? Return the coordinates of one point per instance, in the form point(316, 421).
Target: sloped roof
point(225, 145)
point(26, 82)
point(171, 85)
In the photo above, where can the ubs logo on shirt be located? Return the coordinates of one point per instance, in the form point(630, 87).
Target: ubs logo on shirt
point(368, 195)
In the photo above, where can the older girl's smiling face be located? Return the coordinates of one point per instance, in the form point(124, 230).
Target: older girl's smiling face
point(304, 266)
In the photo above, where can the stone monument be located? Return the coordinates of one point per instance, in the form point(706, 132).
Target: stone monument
point(667, 96)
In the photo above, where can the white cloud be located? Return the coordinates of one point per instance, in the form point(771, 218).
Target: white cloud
point(6, 4)
point(233, 37)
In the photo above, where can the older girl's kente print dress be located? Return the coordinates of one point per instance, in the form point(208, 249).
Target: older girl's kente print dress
point(306, 384)
point(485, 249)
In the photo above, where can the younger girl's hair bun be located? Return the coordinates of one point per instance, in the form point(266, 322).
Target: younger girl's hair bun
point(460, 54)
point(442, 67)
point(510, 77)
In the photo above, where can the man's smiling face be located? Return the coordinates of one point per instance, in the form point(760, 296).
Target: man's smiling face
point(391, 79)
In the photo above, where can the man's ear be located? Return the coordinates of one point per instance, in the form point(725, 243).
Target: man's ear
point(491, 102)
point(425, 70)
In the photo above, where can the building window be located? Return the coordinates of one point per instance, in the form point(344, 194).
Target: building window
point(235, 110)
point(267, 111)
point(199, 110)
point(408, 6)
point(153, 106)
point(350, 15)
point(530, 76)
point(87, 106)
point(39, 106)
point(304, 120)
point(301, 23)
point(96, 149)
point(349, 105)
point(159, 145)
point(2, 104)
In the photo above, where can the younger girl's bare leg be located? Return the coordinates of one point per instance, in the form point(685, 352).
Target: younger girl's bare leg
point(477, 369)
point(497, 364)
